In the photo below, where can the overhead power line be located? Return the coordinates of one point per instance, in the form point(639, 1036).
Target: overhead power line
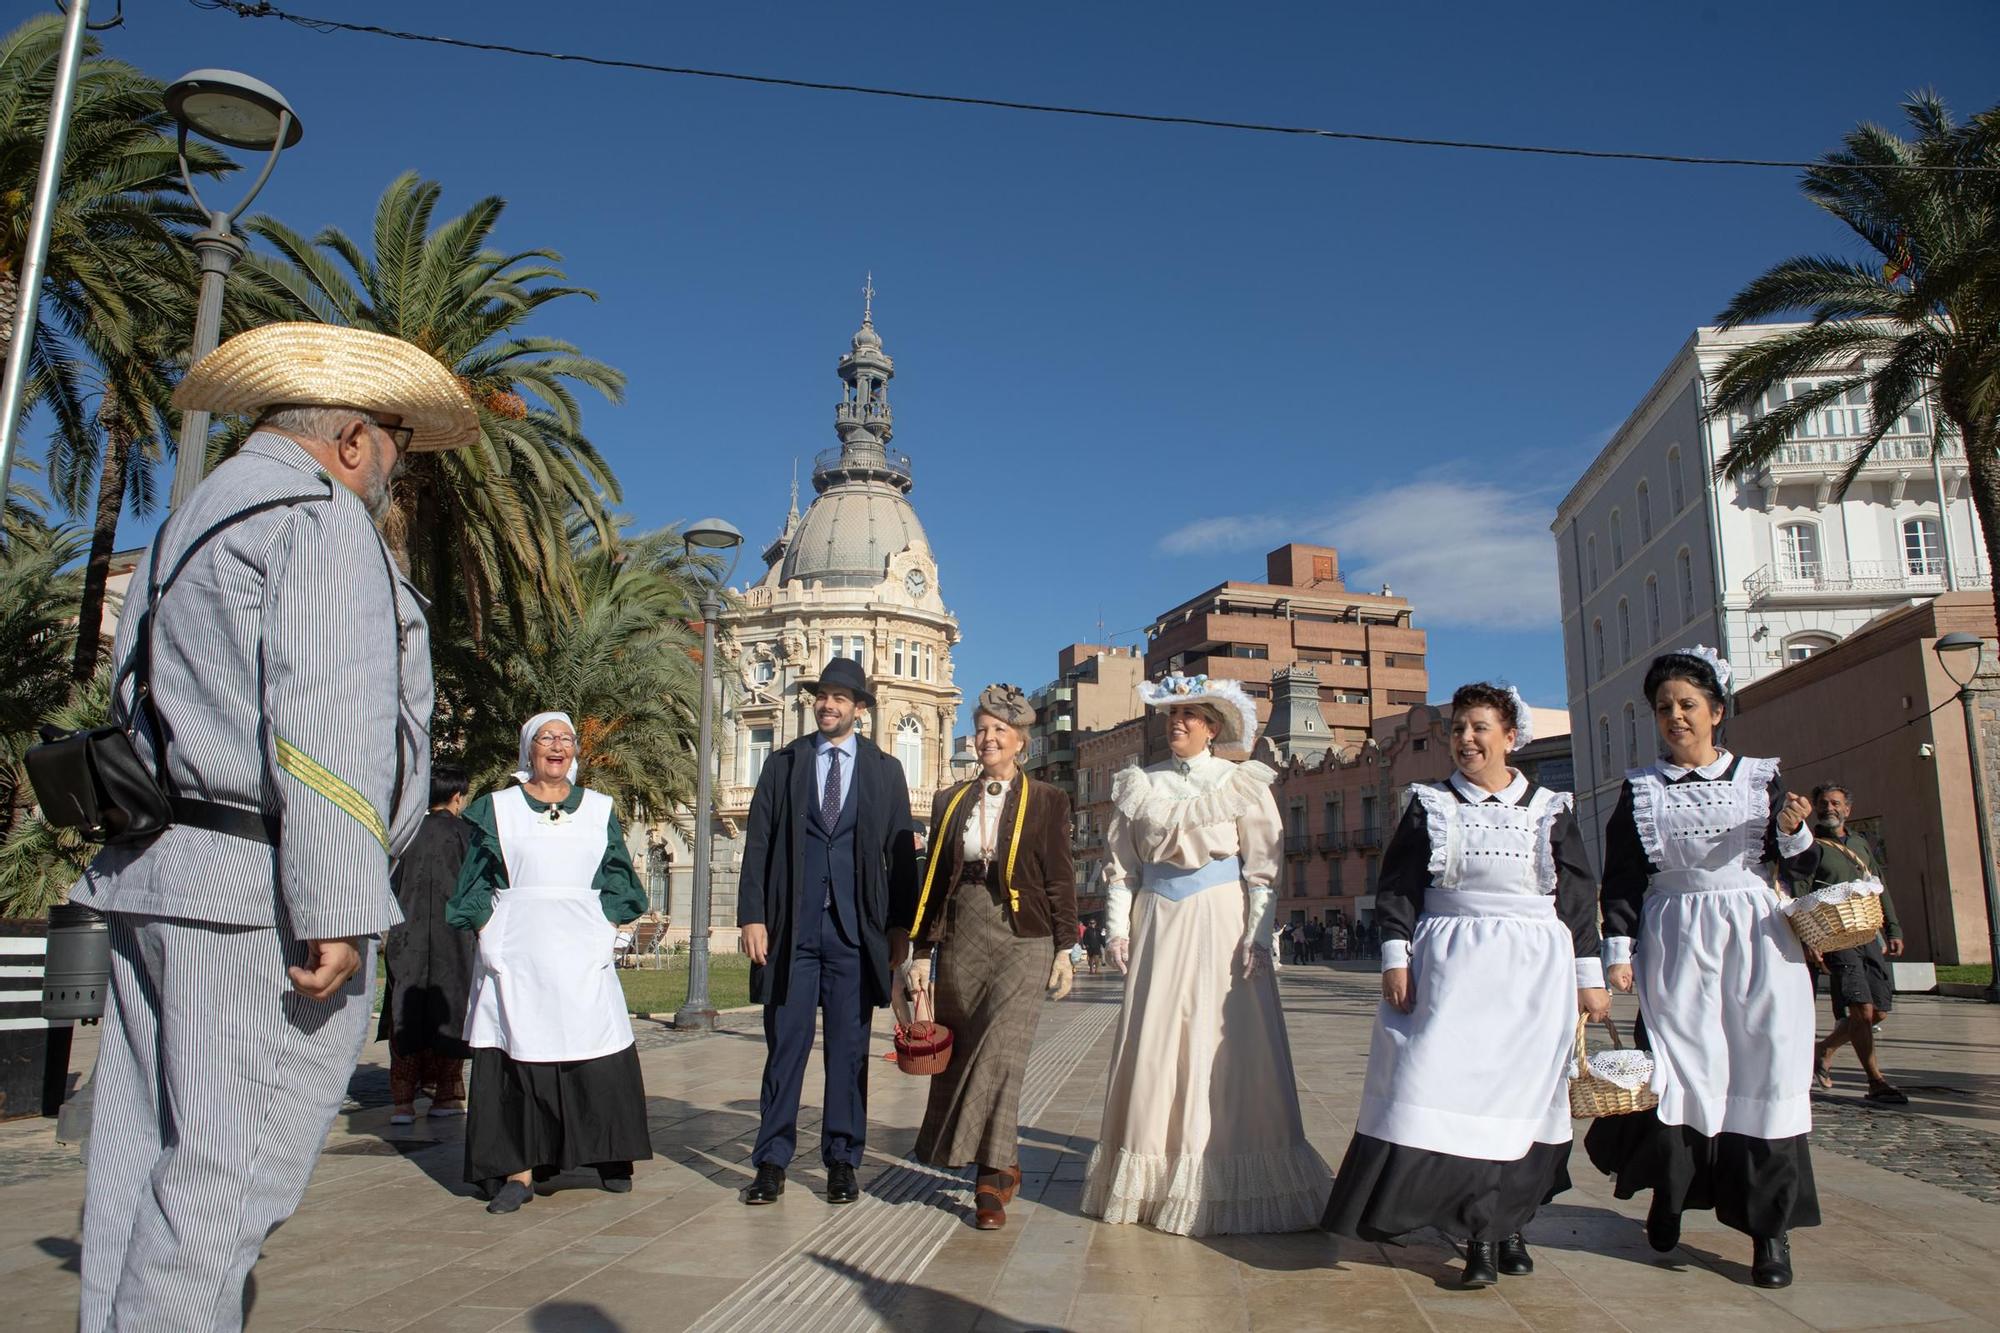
point(256, 10)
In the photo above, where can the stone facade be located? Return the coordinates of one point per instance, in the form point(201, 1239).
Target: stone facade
point(1099, 756)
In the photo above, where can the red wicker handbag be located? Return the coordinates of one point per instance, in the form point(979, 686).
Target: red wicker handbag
point(923, 1045)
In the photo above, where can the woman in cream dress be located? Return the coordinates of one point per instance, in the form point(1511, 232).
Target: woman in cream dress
point(1201, 1132)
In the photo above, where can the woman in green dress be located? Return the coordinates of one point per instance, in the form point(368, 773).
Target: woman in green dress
point(555, 1074)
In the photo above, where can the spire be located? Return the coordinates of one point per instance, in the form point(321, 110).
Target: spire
point(794, 516)
point(868, 301)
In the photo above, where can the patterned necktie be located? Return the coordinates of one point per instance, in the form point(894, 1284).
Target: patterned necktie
point(829, 803)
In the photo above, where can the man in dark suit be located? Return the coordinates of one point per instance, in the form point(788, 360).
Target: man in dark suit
point(827, 856)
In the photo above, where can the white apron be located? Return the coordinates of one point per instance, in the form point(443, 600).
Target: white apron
point(543, 987)
point(1480, 1066)
point(1721, 978)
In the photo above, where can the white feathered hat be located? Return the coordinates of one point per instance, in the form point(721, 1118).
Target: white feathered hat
point(1235, 712)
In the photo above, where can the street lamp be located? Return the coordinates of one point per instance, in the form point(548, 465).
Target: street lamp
point(709, 534)
point(241, 112)
point(1953, 650)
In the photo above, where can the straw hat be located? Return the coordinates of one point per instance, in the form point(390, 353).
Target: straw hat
point(1234, 711)
point(326, 365)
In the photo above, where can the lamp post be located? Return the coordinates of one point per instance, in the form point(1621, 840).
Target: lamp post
point(710, 534)
point(241, 112)
point(1952, 649)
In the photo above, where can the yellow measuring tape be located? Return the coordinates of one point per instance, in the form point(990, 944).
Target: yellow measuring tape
point(1013, 852)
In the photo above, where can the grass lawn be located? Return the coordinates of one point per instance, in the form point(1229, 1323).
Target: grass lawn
point(662, 992)
point(1977, 974)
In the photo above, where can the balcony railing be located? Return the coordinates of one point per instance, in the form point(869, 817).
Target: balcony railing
point(1826, 578)
point(1298, 844)
point(1333, 842)
point(1811, 454)
point(1368, 837)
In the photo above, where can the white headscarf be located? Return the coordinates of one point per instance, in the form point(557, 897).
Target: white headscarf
point(528, 733)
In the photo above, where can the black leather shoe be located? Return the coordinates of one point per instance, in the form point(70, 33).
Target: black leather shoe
point(840, 1186)
point(770, 1183)
point(1515, 1261)
point(1663, 1226)
point(513, 1194)
point(1479, 1270)
point(1771, 1262)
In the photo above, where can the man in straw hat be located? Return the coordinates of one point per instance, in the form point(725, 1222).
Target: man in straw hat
point(289, 671)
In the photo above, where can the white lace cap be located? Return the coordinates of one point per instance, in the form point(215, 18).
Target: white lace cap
point(1524, 728)
point(1716, 661)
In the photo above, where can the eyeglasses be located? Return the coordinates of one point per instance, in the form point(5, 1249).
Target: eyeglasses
point(556, 742)
point(401, 435)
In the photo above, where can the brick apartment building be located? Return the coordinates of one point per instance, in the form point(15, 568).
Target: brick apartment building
point(1099, 756)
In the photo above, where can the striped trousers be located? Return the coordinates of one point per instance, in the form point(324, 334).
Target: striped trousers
point(216, 1084)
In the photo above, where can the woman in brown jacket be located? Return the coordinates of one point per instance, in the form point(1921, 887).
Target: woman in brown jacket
point(999, 905)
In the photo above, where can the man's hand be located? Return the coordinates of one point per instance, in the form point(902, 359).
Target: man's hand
point(757, 943)
point(1795, 812)
point(1397, 992)
point(1619, 977)
point(1119, 951)
point(1893, 948)
point(1594, 1002)
point(329, 964)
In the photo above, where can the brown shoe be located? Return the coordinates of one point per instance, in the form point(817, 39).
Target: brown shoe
point(989, 1211)
point(1010, 1183)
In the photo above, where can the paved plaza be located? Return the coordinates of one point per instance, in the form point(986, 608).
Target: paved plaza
point(389, 1239)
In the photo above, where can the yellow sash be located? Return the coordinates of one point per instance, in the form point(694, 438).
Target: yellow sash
point(1013, 852)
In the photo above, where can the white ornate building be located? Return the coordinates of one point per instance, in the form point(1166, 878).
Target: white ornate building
point(851, 577)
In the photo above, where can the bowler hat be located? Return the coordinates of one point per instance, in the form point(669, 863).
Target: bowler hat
point(842, 673)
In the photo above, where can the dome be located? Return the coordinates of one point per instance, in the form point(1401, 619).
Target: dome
point(848, 534)
point(867, 337)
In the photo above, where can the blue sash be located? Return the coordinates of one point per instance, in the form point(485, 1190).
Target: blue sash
point(1174, 883)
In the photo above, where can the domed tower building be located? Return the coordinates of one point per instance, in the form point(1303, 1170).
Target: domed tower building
point(851, 577)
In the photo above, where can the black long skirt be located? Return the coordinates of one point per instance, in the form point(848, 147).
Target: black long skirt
point(555, 1116)
point(1761, 1187)
point(1386, 1190)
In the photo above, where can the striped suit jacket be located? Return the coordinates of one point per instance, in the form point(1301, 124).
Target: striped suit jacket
point(275, 668)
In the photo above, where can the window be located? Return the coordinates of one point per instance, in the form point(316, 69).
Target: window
point(1332, 817)
point(1644, 504)
point(1685, 564)
point(1804, 646)
point(1333, 876)
point(1322, 568)
point(1923, 548)
point(1676, 487)
point(1256, 650)
point(900, 645)
point(1617, 540)
point(1652, 610)
point(1590, 555)
point(763, 670)
point(1374, 872)
point(927, 663)
point(1624, 631)
point(1597, 642)
point(756, 752)
point(1368, 815)
point(1603, 746)
point(1798, 551)
point(1349, 659)
point(1631, 737)
point(910, 750)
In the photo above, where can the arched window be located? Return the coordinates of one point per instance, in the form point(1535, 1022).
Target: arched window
point(1676, 487)
point(1597, 642)
point(1644, 501)
point(1590, 558)
point(1617, 540)
point(1684, 566)
point(1603, 746)
point(910, 750)
point(1631, 737)
point(1798, 552)
point(1801, 646)
point(1652, 610)
point(1624, 631)
point(1923, 547)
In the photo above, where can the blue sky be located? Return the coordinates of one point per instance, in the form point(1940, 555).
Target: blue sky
point(1130, 358)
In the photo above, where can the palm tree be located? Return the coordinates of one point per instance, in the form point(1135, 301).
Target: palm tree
point(38, 861)
point(118, 289)
point(625, 664)
point(481, 528)
point(38, 598)
point(1920, 316)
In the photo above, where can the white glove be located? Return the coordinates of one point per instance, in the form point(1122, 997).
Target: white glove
point(1117, 912)
point(1062, 976)
point(1260, 919)
point(1119, 951)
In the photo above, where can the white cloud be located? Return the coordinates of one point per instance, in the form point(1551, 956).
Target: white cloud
point(1464, 553)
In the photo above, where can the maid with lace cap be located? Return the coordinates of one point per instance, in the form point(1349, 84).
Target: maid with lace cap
point(1691, 919)
point(1488, 912)
point(1202, 1134)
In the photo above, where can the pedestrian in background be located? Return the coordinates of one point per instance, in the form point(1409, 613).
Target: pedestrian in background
point(1862, 984)
point(288, 671)
point(428, 962)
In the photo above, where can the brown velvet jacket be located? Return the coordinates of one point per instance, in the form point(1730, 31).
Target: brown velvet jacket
point(1042, 903)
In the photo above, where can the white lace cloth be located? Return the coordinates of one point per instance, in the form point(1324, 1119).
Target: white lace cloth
point(1834, 893)
point(1630, 1070)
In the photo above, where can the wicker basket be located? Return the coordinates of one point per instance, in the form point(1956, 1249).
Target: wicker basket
point(1591, 1096)
point(1848, 924)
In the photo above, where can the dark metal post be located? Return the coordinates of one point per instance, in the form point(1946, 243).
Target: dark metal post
point(1982, 817)
point(217, 249)
point(698, 1012)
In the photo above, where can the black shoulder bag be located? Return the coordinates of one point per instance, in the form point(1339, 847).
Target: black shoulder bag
point(94, 781)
